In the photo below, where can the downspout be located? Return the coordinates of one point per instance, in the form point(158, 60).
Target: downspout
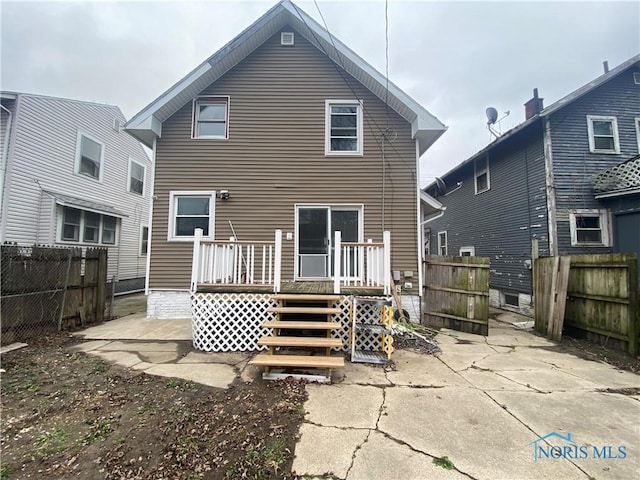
point(550, 189)
point(150, 222)
point(5, 161)
point(418, 226)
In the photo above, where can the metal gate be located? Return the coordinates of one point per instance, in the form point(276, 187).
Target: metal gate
point(457, 293)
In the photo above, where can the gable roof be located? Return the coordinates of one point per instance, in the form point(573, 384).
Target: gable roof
point(147, 124)
point(554, 107)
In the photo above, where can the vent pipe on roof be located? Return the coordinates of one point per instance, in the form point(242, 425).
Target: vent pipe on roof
point(533, 106)
point(605, 65)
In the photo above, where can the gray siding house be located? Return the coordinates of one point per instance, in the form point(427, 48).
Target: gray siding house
point(70, 176)
point(536, 181)
point(284, 128)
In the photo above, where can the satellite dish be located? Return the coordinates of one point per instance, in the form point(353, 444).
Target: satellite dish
point(441, 187)
point(492, 115)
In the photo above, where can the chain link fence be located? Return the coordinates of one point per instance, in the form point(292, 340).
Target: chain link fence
point(46, 289)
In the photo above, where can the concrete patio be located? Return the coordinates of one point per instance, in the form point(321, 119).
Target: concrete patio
point(482, 403)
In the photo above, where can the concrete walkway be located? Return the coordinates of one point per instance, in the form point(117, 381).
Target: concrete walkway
point(484, 403)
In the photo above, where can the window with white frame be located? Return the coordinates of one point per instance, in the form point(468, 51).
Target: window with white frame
point(210, 118)
point(144, 240)
point(637, 122)
point(589, 227)
point(343, 127)
point(82, 226)
point(603, 134)
point(481, 166)
point(442, 243)
point(136, 177)
point(188, 211)
point(467, 251)
point(89, 156)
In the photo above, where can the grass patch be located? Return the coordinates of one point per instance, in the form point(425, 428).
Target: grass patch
point(444, 462)
point(50, 443)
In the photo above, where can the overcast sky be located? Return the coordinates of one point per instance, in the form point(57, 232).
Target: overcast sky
point(455, 58)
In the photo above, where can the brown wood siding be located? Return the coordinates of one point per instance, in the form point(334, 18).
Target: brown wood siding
point(274, 158)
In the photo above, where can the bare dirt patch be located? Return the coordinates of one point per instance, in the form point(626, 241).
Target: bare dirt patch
point(70, 415)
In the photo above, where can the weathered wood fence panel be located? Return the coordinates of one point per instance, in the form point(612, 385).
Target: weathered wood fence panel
point(602, 297)
point(457, 293)
point(43, 289)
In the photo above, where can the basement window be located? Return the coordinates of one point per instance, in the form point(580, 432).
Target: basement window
point(511, 299)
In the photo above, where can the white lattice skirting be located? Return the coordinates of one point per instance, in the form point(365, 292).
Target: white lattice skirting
point(232, 322)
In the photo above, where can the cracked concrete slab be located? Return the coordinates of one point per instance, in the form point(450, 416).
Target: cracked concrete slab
point(464, 424)
point(344, 406)
point(400, 461)
point(488, 380)
point(418, 369)
point(607, 377)
point(158, 357)
point(592, 418)
point(138, 327)
point(326, 450)
point(548, 380)
point(215, 374)
point(230, 358)
point(89, 346)
point(362, 374)
point(141, 347)
point(124, 359)
point(510, 362)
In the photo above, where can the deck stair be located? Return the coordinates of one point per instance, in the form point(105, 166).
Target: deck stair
point(301, 342)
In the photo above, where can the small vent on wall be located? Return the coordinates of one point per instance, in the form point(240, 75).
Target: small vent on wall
point(116, 124)
point(636, 78)
point(286, 38)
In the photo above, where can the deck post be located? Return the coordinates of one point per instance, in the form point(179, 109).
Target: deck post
point(195, 266)
point(337, 251)
point(277, 262)
point(386, 274)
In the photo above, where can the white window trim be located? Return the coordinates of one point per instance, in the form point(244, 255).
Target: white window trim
point(81, 242)
point(195, 111)
point(76, 169)
point(616, 139)
point(327, 127)
point(604, 227)
point(480, 172)
point(144, 177)
point(172, 210)
point(470, 250)
point(446, 241)
point(637, 124)
point(140, 238)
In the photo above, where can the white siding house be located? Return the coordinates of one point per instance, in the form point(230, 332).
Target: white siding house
point(71, 176)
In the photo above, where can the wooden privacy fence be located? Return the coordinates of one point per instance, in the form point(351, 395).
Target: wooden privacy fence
point(457, 293)
point(47, 289)
point(601, 297)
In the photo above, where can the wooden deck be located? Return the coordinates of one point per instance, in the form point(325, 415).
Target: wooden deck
point(308, 288)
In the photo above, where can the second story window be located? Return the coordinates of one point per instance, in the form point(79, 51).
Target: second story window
point(343, 127)
point(210, 118)
point(482, 174)
point(603, 134)
point(136, 177)
point(89, 156)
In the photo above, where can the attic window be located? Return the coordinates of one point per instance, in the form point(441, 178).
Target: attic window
point(636, 78)
point(286, 38)
point(210, 118)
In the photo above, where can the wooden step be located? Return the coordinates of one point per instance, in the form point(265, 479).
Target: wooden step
point(267, 360)
point(300, 342)
point(322, 310)
point(305, 297)
point(302, 325)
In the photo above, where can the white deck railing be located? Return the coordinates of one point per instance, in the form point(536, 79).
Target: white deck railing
point(236, 262)
point(362, 264)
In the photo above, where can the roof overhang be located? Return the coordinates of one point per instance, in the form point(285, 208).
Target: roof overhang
point(147, 124)
point(88, 205)
point(430, 205)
